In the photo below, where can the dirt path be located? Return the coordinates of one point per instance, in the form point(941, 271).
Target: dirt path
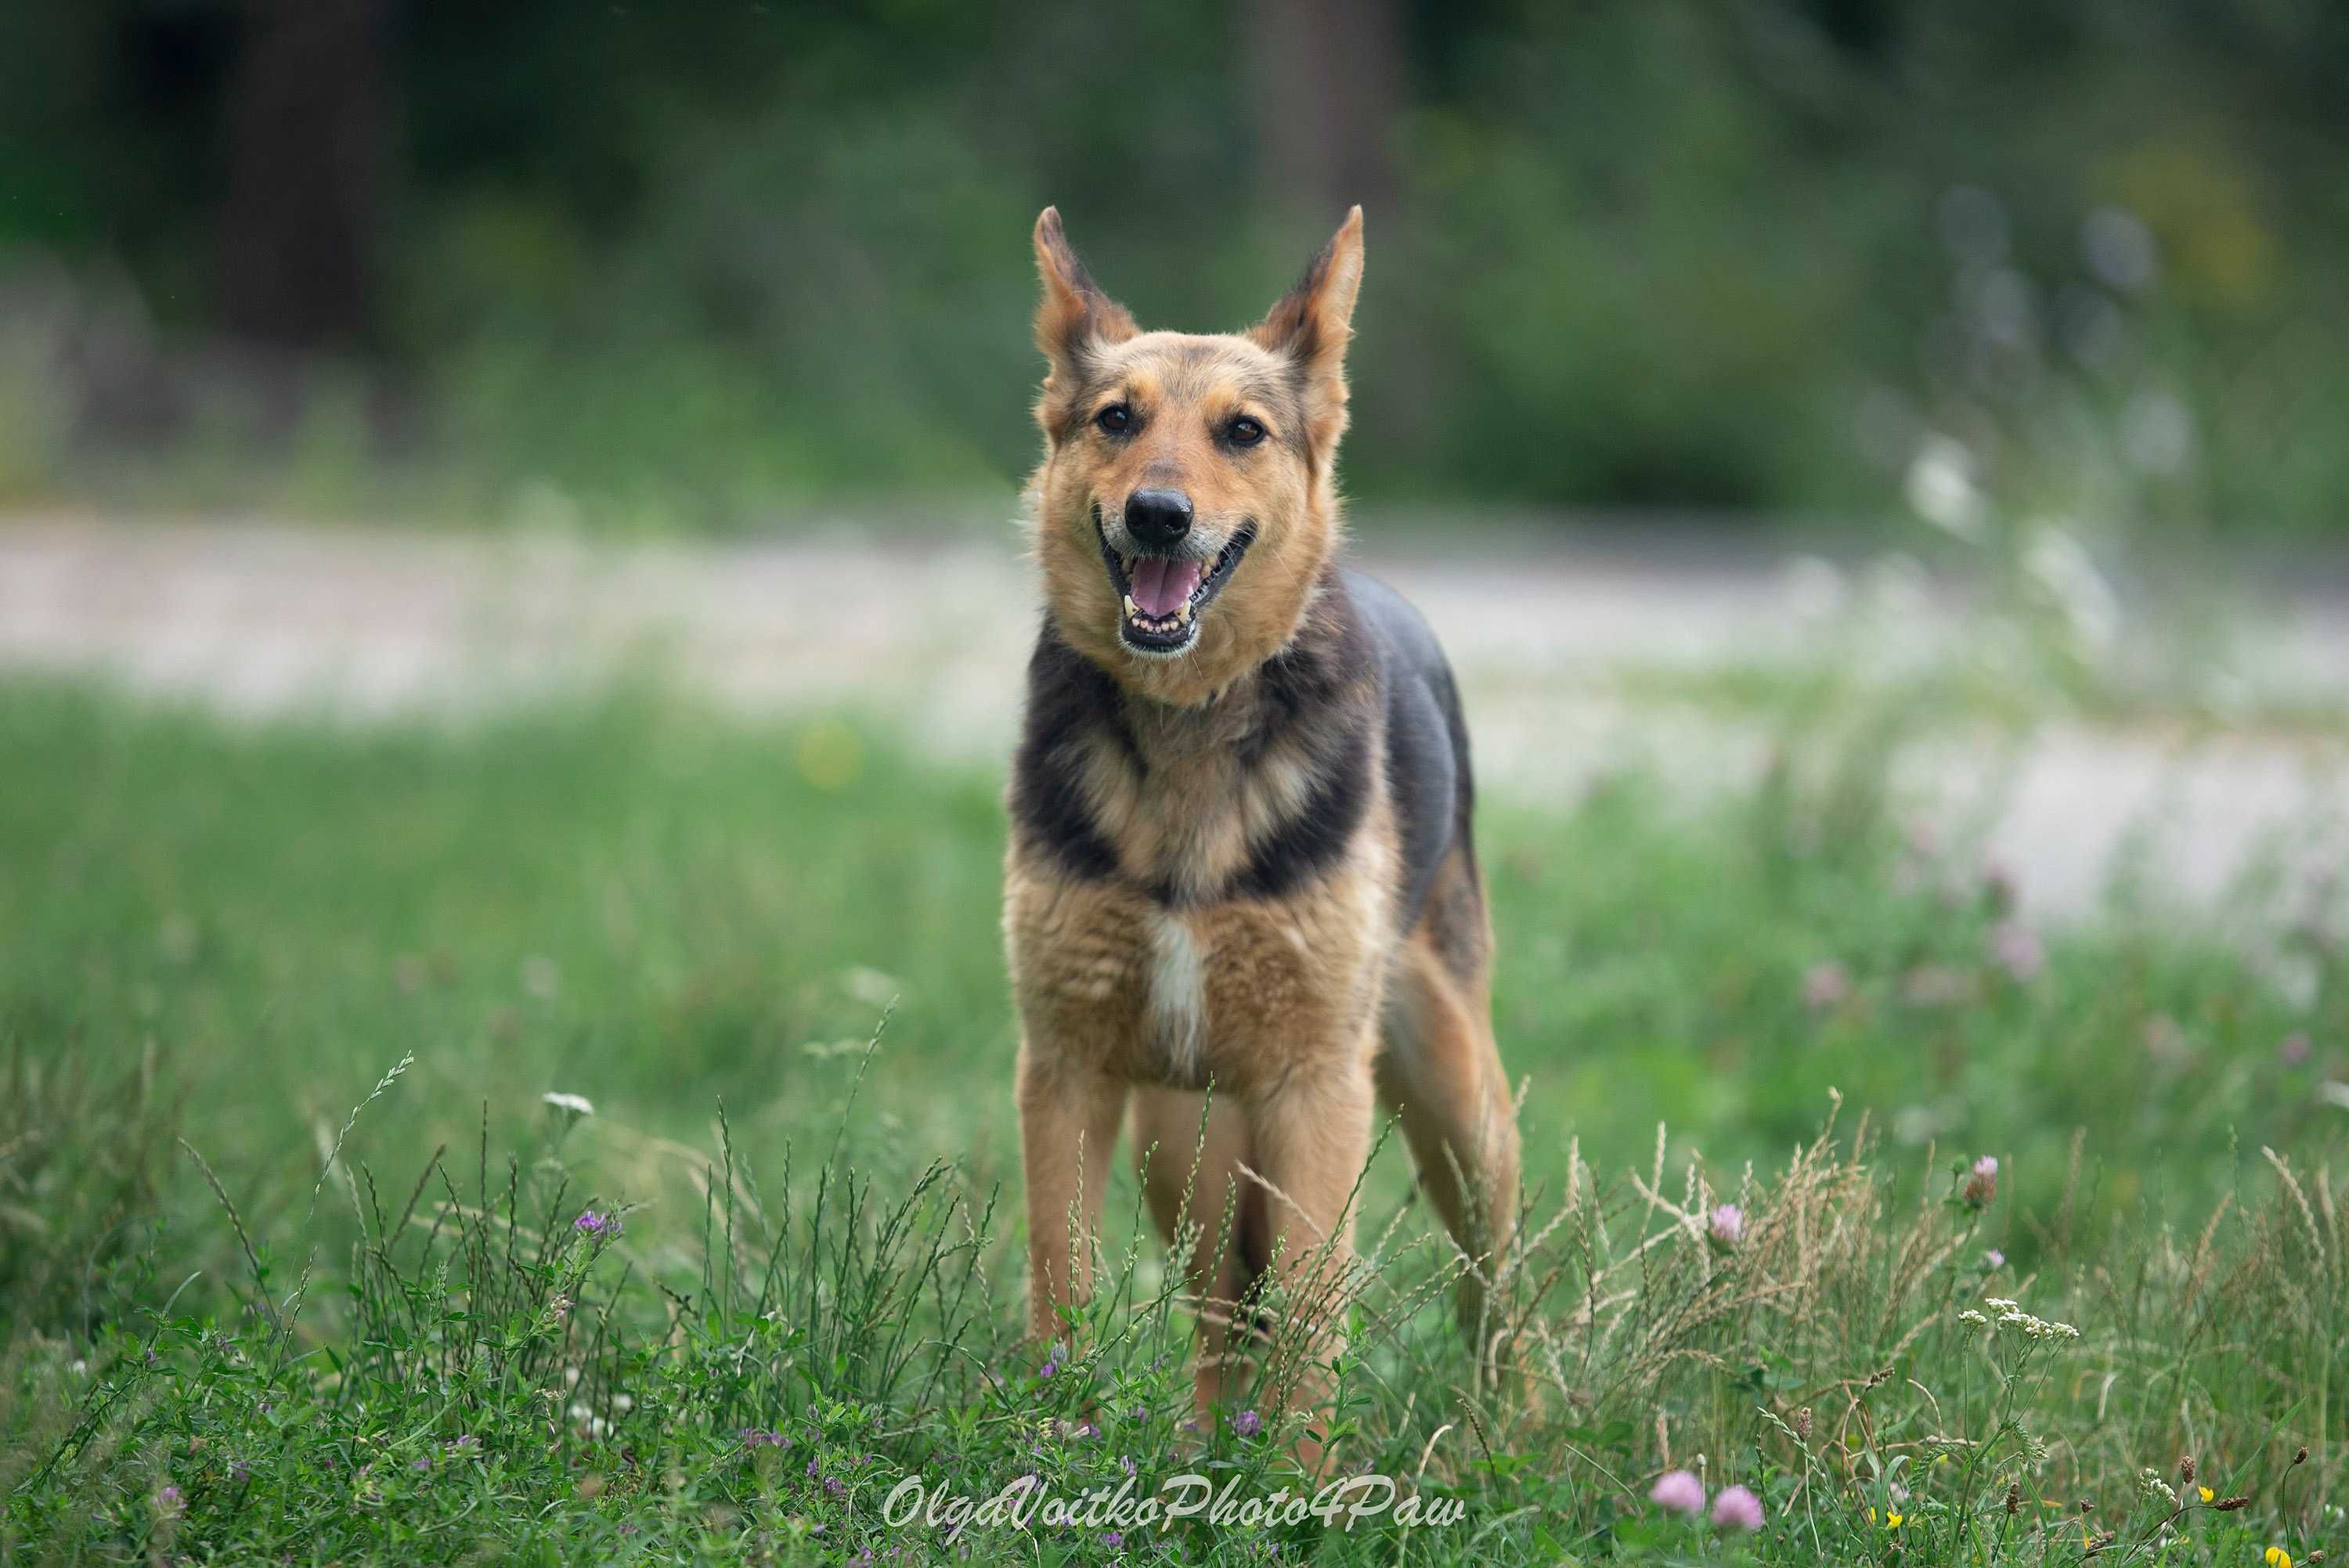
point(1568, 654)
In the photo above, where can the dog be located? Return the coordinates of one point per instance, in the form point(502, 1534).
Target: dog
point(1241, 891)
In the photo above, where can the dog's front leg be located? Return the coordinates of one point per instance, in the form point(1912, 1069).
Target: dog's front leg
point(1313, 1136)
point(1068, 1113)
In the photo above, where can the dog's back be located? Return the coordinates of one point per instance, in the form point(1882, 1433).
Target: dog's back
point(1428, 774)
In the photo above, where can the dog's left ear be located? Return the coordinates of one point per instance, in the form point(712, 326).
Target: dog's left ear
point(1313, 324)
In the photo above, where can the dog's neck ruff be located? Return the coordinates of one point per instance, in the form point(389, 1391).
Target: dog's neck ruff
point(1248, 795)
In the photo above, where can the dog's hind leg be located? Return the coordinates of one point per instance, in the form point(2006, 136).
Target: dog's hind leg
point(1441, 1072)
point(1188, 1153)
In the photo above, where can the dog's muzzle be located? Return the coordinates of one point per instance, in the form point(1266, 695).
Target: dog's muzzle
point(1162, 584)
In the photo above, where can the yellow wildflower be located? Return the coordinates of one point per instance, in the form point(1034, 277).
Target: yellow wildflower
point(2277, 1557)
point(2208, 1495)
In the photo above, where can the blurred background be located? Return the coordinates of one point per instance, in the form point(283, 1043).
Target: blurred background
point(701, 266)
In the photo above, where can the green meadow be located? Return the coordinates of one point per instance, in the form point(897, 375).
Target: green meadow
point(299, 1262)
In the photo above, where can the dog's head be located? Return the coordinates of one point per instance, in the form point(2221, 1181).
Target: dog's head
point(1186, 507)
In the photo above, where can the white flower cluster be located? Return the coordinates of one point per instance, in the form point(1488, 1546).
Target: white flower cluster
point(2150, 1482)
point(2037, 1328)
point(2011, 1316)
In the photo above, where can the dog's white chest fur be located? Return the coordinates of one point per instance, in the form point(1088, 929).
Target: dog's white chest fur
point(1177, 1006)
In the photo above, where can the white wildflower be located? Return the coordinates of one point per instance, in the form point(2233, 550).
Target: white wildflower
point(1999, 1303)
point(2065, 573)
point(1976, 1318)
point(541, 977)
point(2037, 1328)
point(570, 1104)
point(2150, 1483)
point(1942, 487)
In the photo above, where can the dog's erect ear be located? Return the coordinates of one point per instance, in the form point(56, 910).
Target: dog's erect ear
point(1074, 314)
point(1313, 323)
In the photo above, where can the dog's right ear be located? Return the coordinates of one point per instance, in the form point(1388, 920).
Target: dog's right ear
point(1074, 314)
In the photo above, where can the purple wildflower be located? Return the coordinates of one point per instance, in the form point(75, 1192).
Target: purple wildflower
point(1678, 1492)
point(1737, 1509)
point(591, 1223)
point(2018, 951)
point(1727, 1224)
point(1248, 1423)
point(1995, 1258)
point(1982, 1182)
point(1112, 1540)
point(1825, 985)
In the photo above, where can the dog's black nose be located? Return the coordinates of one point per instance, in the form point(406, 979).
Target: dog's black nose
point(1157, 518)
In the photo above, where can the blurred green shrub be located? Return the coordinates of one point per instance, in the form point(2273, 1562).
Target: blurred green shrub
point(35, 401)
point(690, 264)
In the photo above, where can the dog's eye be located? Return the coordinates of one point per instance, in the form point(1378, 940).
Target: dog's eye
point(1244, 432)
point(1114, 418)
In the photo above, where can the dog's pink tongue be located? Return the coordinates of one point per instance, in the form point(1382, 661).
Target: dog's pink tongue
point(1160, 584)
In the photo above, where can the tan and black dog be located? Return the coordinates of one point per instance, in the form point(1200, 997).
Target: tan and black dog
point(1240, 847)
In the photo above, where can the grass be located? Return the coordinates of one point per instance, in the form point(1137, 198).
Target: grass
point(243, 1319)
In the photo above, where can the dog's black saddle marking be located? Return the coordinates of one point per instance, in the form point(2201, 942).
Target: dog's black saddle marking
point(1428, 775)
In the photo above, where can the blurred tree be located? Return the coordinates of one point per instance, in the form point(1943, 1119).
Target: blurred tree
point(308, 113)
point(1622, 253)
point(1328, 79)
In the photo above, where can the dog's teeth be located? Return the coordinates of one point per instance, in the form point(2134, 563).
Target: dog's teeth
point(1182, 612)
point(1131, 607)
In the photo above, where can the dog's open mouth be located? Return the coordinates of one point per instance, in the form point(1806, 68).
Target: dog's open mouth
point(1163, 594)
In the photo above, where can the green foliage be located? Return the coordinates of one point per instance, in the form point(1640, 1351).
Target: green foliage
point(699, 264)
